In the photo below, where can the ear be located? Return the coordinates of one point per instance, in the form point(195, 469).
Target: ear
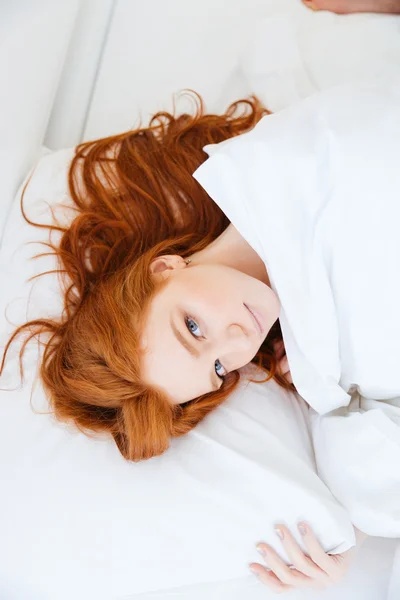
point(168, 262)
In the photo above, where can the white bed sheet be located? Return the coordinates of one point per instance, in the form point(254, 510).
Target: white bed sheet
point(368, 579)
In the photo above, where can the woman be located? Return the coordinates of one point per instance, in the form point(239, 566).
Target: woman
point(160, 286)
point(165, 302)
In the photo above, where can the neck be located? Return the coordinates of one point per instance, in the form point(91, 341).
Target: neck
point(232, 250)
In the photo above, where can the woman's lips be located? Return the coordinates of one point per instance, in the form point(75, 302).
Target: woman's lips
point(257, 318)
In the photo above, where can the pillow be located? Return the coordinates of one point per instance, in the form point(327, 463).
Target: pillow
point(76, 512)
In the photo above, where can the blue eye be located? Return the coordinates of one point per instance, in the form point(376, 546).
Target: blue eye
point(195, 331)
point(193, 327)
point(219, 366)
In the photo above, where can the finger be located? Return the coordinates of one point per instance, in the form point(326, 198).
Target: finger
point(310, 4)
point(279, 349)
point(284, 573)
point(284, 369)
point(284, 365)
point(348, 6)
point(315, 550)
point(269, 578)
point(299, 560)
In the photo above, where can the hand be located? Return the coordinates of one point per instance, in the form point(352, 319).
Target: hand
point(317, 571)
point(354, 6)
point(283, 365)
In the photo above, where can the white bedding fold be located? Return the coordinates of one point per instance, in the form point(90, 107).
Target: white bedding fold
point(358, 457)
point(315, 189)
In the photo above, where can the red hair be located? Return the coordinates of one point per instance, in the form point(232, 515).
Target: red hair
point(136, 200)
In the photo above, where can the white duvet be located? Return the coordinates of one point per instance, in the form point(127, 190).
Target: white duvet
point(315, 189)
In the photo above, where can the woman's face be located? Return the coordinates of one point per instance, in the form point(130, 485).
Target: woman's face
point(200, 326)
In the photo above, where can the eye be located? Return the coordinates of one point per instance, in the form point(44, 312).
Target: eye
point(195, 331)
point(193, 327)
point(219, 366)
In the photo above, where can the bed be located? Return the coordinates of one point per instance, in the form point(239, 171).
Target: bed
point(91, 68)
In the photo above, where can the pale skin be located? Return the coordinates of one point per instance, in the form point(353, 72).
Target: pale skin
point(207, 305)
point(354, 6)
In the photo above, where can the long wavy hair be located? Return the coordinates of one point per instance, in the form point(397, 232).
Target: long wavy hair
point(136, 199)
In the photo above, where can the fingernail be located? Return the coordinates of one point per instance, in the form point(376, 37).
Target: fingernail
point(302, 529)
point(261, 550)
point(254, 570)
point(279, 533)
point(310, 4)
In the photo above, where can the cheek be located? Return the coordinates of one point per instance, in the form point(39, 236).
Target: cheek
point(209, 303)
point(217, 290)
point(196, 292)
point(211, 293)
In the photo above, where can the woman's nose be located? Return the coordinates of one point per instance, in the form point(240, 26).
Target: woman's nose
point(238, 332)
point(237, 346)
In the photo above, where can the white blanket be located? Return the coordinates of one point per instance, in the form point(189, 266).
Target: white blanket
point(315, 189)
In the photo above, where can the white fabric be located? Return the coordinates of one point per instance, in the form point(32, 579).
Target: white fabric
point(294, 52)
point(74, 511)
point(367, 579)
point(394, 581)
point(315, 190)
point(34, 38)
point(278, 49)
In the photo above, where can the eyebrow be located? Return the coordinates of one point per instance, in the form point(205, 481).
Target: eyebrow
point(192, 350)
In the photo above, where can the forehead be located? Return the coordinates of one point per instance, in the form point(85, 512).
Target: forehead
point(166, 363)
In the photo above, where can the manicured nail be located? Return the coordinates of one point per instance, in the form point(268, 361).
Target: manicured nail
point(302, 529)
point(254, 571)
point(279, 533)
